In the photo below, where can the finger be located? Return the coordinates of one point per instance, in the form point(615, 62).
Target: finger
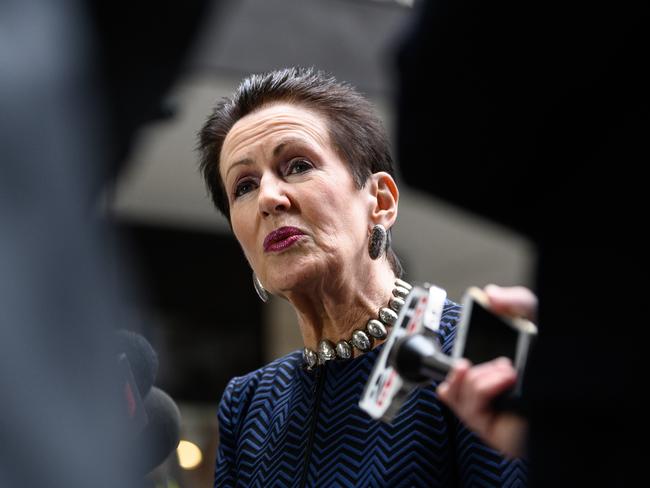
point(516, 301)
point(482, 387)
point(503, 362)
point(501, 366)
point(496, 383)
point(449, 389)
point(488, 366)
point(457, 377)
point(443, 391)
point(459, 370)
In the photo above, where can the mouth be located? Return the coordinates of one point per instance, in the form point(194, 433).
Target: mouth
point(282, 238)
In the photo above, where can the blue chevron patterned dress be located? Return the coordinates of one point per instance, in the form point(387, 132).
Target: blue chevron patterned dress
point(284, 426)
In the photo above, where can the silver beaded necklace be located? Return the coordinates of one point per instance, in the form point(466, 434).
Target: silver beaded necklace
point(361, 339)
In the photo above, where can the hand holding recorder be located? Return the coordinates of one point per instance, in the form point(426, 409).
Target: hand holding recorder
point(494, 324)
point(470, 391)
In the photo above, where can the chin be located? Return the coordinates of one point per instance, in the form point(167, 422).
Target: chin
point(293, 276)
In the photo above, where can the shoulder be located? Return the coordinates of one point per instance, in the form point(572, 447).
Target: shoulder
point(254, 392)
point(277, 374)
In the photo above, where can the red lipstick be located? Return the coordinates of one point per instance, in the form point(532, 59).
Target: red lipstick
point(282, 238)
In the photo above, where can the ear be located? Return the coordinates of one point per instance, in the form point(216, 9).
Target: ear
point(384, 199)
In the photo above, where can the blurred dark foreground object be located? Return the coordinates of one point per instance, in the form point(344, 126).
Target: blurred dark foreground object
point(533, 115)
point(76, 81)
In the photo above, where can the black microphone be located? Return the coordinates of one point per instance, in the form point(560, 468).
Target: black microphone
point(418, 359)
point(137, 367)
point(161, 435)
point(142, 358)
point(152, 416)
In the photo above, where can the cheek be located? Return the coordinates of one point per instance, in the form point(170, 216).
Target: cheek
point(244, 233)
point(323, 208)
point(341, 221)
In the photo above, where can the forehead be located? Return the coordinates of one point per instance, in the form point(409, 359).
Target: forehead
point(264, 128)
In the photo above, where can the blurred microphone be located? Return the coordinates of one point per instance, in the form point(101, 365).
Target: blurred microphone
point(142, 358)
point(418, 358)
point(162, 433)
point(137, 367)
point(152, 417)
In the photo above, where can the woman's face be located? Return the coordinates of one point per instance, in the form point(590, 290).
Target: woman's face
point(294, 206)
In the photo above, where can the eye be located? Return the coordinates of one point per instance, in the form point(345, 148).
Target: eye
point(298, 165)
point(243, 187)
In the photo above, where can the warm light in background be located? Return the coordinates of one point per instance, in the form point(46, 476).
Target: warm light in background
point(189, 455)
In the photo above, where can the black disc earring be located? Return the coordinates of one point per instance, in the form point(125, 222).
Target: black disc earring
point(377, 242)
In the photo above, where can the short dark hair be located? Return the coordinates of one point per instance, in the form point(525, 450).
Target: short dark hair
point(356, 132)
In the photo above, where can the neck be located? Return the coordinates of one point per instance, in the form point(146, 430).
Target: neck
point(335, 309)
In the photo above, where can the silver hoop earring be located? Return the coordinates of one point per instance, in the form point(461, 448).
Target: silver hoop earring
point(377, 242)
point(259, 288)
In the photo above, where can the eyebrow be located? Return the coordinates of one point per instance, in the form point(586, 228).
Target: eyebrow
point(280, 147)
point(276, 151)
point(245, 161)
point(286, 142)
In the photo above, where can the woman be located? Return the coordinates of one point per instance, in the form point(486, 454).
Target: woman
point(300, 165)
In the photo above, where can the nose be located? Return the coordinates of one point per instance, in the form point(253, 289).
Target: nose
point(272, 196)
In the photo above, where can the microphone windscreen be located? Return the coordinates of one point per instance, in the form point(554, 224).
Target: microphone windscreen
point(162, 434)
point(142, 358)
